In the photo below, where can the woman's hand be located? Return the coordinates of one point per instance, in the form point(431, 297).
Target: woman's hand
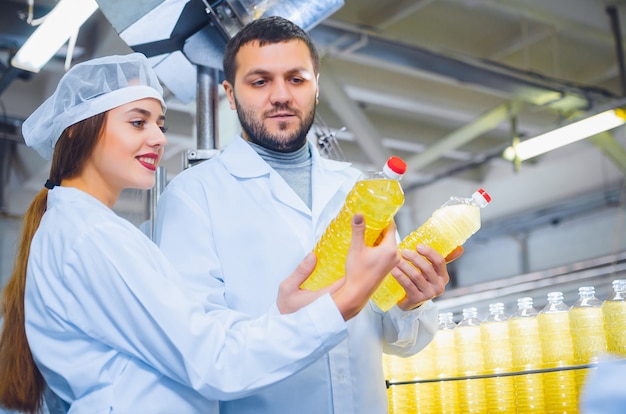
point(365, 269)
point(291, 297)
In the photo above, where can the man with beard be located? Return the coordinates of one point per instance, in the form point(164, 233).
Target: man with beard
point(270, 195)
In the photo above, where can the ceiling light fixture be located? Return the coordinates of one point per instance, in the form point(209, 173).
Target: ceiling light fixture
point(567, 134)
point(59, 25)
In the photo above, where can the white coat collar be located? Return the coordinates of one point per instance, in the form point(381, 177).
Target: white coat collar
point(242, 161)
point(328, 176)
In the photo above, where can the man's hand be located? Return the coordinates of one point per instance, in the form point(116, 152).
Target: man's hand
point(423, 274)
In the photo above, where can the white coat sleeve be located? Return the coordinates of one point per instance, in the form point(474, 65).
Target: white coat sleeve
point(407, 332)
point(126, 296)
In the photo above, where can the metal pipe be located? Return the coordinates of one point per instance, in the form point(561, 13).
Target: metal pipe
point(619, 50)
point(7, 151)
point(526, 86)
point(498, 375)
point(160, 181)
point(206, 107)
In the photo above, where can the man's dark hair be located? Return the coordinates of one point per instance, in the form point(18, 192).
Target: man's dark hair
point(266, 30)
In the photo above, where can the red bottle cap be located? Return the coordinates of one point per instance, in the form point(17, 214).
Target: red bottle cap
point(481, 197)
point(484, 194)
point(397, 165)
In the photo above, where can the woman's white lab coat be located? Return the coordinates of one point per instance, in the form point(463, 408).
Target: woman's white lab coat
point(112, 329)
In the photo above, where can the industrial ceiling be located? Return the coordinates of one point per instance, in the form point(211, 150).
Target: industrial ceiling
point(446, 84)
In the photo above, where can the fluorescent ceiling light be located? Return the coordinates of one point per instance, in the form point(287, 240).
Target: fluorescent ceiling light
point(59, 25)
point(567, 134)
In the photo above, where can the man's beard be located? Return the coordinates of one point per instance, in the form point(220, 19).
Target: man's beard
point(257, 132)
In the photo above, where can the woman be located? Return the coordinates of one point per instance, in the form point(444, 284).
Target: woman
point(95, 316)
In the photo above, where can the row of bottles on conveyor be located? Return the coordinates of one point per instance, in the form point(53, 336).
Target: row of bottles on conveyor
point(549, 340)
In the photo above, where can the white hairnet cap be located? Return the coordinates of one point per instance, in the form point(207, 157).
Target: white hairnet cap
point(87, 89)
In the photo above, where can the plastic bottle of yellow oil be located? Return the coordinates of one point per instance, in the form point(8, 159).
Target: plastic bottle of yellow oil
point(448, 227)
point(587, 327)
point(422, 365)
point(376, 195)
point(444, 350)
point(399, 393)
point(470, 362)
point(494, 330)
point(404, 392)
point(557, 351)
point(526, 356)
point(614, 312)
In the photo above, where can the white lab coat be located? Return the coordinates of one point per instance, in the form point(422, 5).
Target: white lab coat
point(235, 229)
point(112, 329)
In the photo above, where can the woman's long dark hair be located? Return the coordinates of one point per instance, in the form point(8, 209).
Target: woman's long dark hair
point(21, 382)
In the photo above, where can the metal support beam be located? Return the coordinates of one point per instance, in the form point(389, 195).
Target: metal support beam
point(7, 152)
point(619, 49)
point(612, 149)
point(599, 272)
point(470, 72)
point(206, 116)
point(522, 241)
point(353, 118)
point(206, 108)
point(464, 135)
point(387, 14)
